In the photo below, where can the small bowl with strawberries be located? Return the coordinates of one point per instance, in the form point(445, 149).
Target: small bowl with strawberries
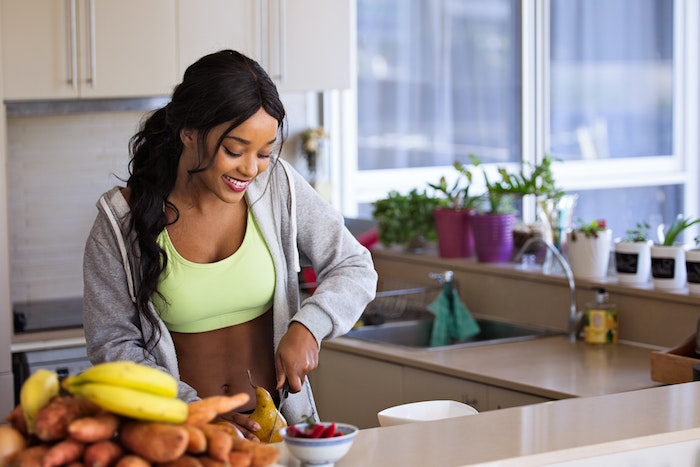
point(319, 443)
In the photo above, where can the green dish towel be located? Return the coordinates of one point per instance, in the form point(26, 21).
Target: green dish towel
point(452, 319)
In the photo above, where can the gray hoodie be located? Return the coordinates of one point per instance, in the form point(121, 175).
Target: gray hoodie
point(299, 227)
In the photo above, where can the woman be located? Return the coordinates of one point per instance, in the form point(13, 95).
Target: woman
point(193, 267)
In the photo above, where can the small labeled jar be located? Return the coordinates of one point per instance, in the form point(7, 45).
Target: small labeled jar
point(601, 320)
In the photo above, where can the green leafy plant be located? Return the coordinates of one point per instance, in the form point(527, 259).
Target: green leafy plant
point(531, 179)
point(401, 219)
point(590, 229)
point(640, 233)
point(538, 180)
point(678, 225)
point(458, 194)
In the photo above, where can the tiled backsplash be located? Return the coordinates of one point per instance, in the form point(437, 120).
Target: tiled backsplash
point(57, 167)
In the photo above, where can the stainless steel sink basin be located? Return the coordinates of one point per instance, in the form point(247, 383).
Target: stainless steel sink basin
point(415, 334)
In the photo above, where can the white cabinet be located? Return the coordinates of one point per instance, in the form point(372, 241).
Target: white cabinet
point(310, 43)
point(304, 45)
point(499, 398)
point(421, 385)
point(88, 48)
point(353, 389)
point(206, 26)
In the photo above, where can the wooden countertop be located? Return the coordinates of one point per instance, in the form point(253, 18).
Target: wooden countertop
point(662, 421)
point(551, 367)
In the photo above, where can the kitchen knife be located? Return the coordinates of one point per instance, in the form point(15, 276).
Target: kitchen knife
point(285, 394)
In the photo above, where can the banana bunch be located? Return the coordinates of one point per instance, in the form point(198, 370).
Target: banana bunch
point(130, 389)
point(36, 392)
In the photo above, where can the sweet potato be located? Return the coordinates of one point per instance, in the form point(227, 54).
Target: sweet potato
point(197, 442)
point(183, 461)
point(95, 428)
point(200, 417)
point(264, 454)
point(229, 428)
point(17, 421)
point(219, 404)
point(31, 457)
point(104, 453)
point(219, 442)
point(53, 419)
point(132, 460)
point(63, 452)
point(209, 462)
point(243, 444)
point(12, 442)
point(240, 459)
point(156, 442)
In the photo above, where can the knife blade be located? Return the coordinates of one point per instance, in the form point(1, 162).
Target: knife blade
point(285, 394)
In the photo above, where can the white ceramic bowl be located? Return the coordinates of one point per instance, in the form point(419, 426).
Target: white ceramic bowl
point(424, 411)
point(320, 451)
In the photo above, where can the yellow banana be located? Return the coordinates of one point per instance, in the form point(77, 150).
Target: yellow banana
point(133, 403)
point(129, 375)
point(36, 392)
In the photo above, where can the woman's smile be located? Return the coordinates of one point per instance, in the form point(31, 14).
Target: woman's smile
point(236, 184)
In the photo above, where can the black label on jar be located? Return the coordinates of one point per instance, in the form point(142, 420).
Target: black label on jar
point(626, 262)
point(663, 268)
point(693, 272)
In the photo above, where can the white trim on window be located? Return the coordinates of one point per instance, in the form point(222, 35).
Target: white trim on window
point(682, 167)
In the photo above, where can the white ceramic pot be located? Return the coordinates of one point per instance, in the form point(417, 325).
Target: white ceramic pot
point(692, 267)
point(589, 256)
point(668, 267)
point(633, 261)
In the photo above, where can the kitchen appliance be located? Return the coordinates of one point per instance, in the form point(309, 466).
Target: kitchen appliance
point(39, 318)
point(48, 315)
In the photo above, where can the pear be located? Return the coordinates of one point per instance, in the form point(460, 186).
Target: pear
point(266, 414)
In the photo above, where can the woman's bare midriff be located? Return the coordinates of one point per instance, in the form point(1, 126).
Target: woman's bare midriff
point(216, 362)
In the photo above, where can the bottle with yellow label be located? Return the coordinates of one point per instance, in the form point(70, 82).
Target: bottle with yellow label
point(600, 320)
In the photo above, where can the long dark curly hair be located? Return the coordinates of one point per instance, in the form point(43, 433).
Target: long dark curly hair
point(223, 87)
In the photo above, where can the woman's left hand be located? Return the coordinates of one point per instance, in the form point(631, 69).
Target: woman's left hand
point(297, 356)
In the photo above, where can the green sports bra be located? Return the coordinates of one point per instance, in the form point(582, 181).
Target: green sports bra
point(205, 297)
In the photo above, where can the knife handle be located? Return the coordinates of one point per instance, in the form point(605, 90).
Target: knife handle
point(285, 389)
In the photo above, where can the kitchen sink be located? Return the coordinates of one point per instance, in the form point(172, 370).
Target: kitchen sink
point(415, 334)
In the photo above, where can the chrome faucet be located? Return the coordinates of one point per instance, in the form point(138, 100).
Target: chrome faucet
point(574, 314)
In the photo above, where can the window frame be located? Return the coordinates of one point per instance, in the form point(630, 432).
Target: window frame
point(682, 167)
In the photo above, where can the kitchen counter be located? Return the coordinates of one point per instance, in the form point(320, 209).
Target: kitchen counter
point(551, 367)
point(663, 421)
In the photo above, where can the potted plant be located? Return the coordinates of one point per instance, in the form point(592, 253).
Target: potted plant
point(452, 221)
point(494, 242)
point(406, 220)
point(589, 249)
point(633, 255)
point(493, 227)
point(692, 267)
point(668, 256)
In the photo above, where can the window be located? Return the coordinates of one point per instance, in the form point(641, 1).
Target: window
point(609, 87)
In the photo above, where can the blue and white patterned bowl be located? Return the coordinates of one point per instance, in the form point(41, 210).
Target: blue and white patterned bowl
point(320, 451)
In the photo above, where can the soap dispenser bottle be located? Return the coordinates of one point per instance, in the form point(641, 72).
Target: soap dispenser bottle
point(601, 320)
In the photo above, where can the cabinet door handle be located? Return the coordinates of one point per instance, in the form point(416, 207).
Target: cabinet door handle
point(265, 28)
point(93, 55)
point(473, 402)
point(73, 77)
point(281, 43)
